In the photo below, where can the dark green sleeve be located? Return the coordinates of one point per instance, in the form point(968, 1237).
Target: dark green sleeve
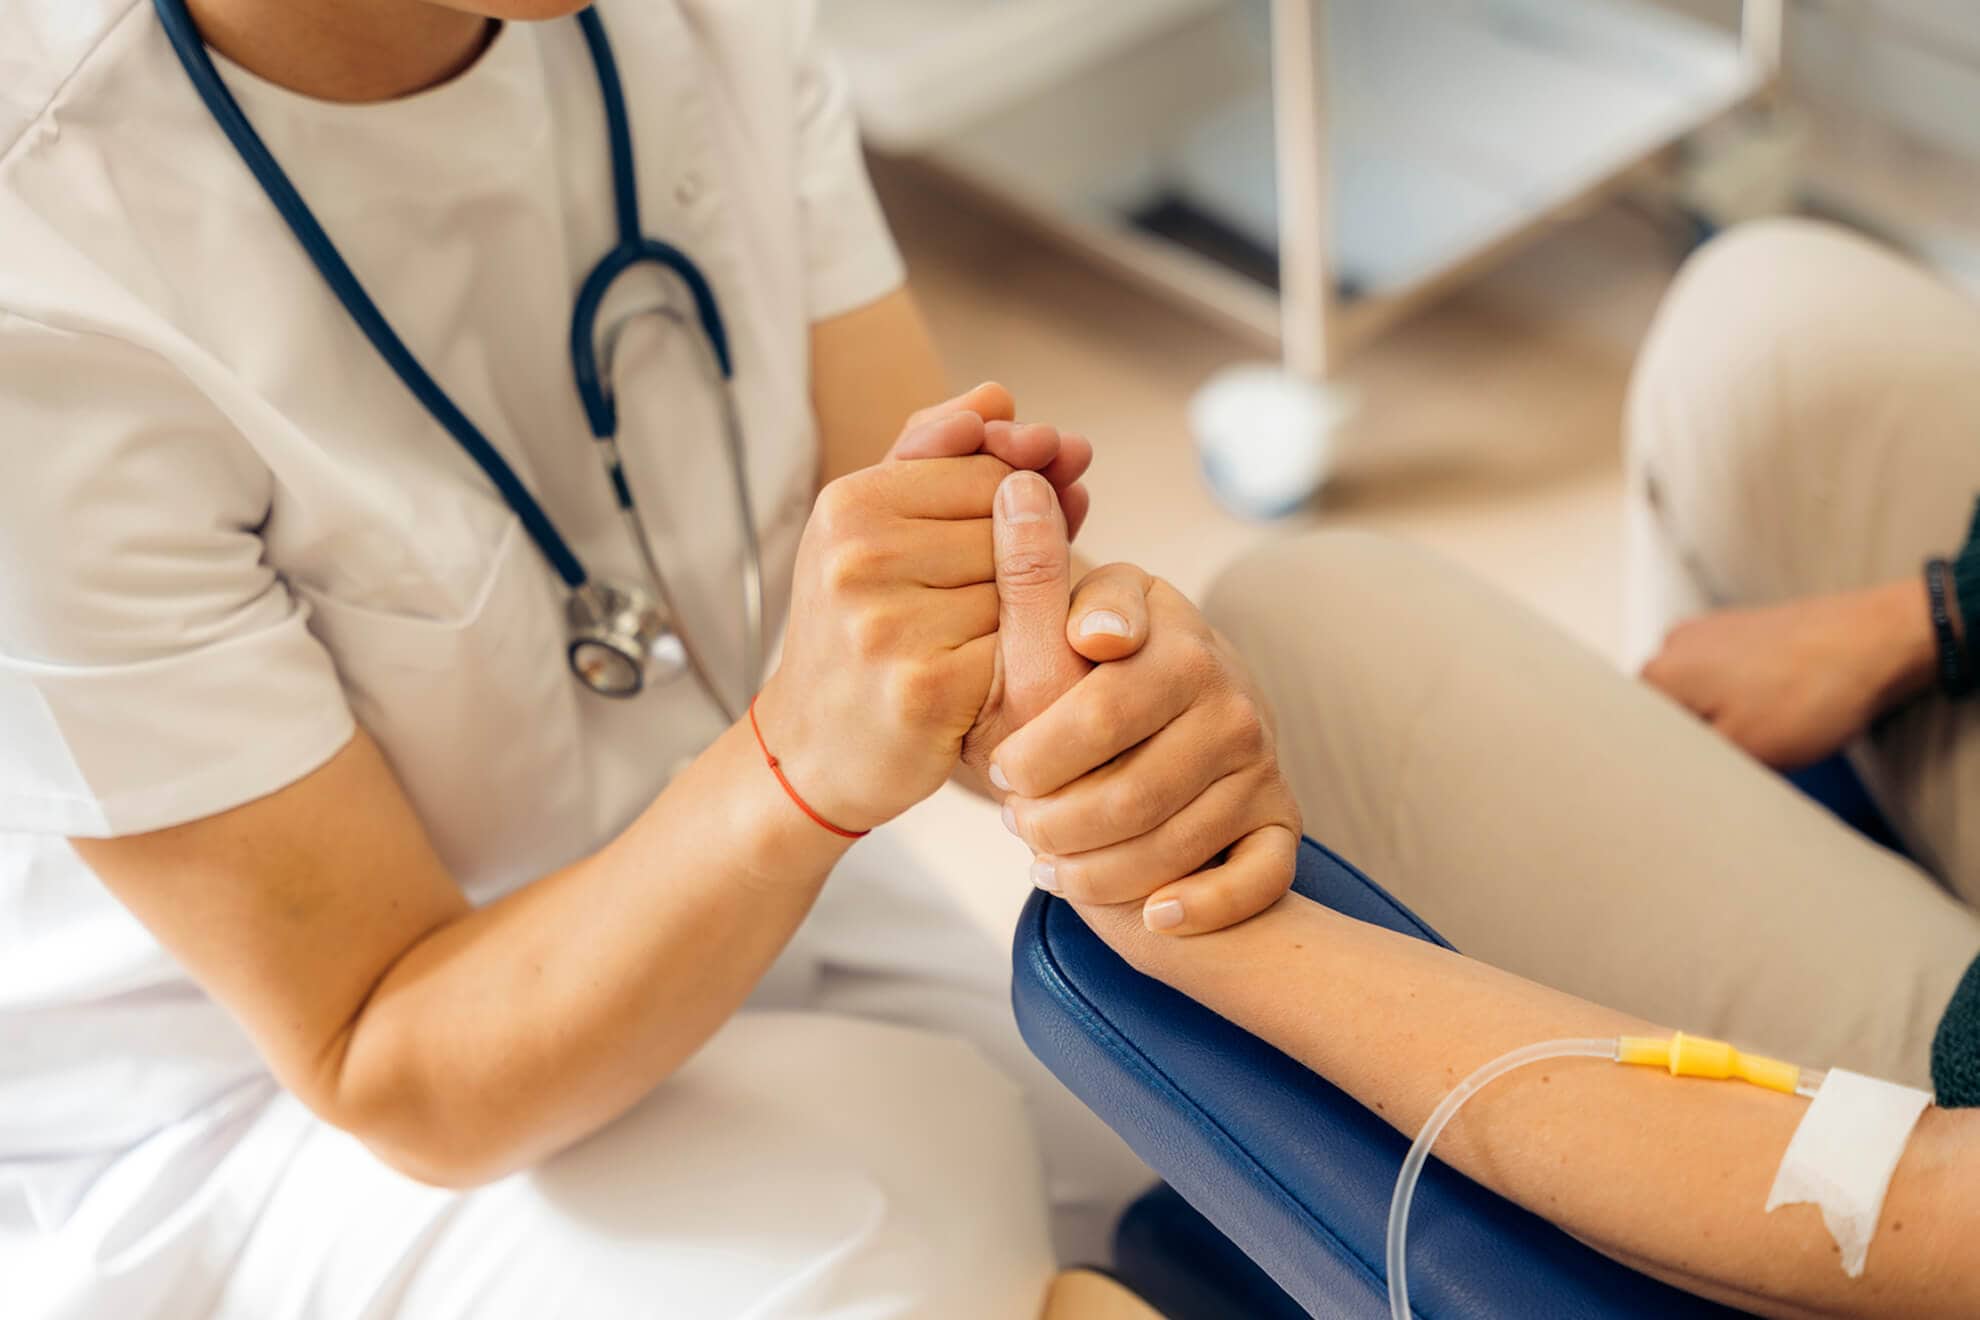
point(1966, 582)
point(1956, 1046)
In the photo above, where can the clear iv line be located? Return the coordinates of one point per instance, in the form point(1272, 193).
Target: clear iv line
point(1682, 1055)
point(1419, 1151)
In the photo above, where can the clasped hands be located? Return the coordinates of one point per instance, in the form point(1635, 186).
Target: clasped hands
point(934, 624)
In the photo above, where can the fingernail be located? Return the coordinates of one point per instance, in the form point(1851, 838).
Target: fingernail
point(997, 779)
point(1165, 915)
point(1024, 498)
point(1105, 622)
point(1010, 820)
point(1045, 875)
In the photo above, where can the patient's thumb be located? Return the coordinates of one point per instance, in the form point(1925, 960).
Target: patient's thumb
point(1034, 592)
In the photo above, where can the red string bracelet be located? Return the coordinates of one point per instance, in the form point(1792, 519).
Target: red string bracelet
point(790, 792)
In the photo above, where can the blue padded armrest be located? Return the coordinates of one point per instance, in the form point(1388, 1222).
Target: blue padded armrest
point(1289, 1167)
point(1175, 1260)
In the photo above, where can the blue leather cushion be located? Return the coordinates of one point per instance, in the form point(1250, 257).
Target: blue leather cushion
point(1178, 1263)
point(1289, 1167)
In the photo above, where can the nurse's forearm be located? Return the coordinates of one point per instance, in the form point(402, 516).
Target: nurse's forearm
point(524, 1025)
point(870, 368)
point(1668, 1174)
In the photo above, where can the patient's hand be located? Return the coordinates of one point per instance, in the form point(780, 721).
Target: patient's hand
point(1792, 683)
point(1151, 779)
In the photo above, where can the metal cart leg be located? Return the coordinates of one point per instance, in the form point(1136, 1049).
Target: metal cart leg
point(1307, 287)
point(1265, 432)
point(1762, 36)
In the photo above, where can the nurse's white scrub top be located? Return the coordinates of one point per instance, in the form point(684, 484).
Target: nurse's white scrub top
point(228, 533)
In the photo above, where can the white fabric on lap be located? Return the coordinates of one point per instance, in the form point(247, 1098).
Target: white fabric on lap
point(799, 1165)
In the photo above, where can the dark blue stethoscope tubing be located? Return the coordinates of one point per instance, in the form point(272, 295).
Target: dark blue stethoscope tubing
point(344, 283)
point(618, 125)
point(601, 410)
point(632, 249)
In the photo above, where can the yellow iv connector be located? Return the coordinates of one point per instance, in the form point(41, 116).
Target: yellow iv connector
point(1695, 1056)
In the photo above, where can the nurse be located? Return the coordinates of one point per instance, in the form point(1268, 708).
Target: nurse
point(356, 955)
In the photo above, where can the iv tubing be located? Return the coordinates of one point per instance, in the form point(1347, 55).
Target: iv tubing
point(1419, 1153)
point(1682, 1055)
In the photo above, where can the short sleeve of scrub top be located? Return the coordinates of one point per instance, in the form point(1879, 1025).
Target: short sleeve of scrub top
point(153, 669)
point(839, 216)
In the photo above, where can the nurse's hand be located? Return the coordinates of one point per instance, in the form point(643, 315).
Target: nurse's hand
point(1149, 780)
point(1061, 457)
point(1109, 618)
point(890, 651)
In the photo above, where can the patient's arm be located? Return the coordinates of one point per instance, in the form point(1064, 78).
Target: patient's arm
point(1667, 1174)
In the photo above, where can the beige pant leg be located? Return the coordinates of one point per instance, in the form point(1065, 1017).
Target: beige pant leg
point(1553, 817)
point(1805, 418)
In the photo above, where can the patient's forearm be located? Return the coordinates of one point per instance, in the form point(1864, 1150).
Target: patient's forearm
point(1668, 1174)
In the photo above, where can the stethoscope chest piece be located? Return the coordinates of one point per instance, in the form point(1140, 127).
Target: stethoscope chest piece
point(622, 640)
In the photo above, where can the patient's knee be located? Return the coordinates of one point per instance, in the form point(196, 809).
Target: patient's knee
point(1777, 302)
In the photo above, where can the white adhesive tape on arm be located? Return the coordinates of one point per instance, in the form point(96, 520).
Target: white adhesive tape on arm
point(1843, 1155)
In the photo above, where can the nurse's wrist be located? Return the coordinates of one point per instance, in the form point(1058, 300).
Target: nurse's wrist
point(779, 849)
point(790, 757)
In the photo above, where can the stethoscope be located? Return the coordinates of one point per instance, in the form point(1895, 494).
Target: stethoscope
point(621, 636)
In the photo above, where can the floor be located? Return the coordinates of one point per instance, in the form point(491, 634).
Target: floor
point(1488, 428)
